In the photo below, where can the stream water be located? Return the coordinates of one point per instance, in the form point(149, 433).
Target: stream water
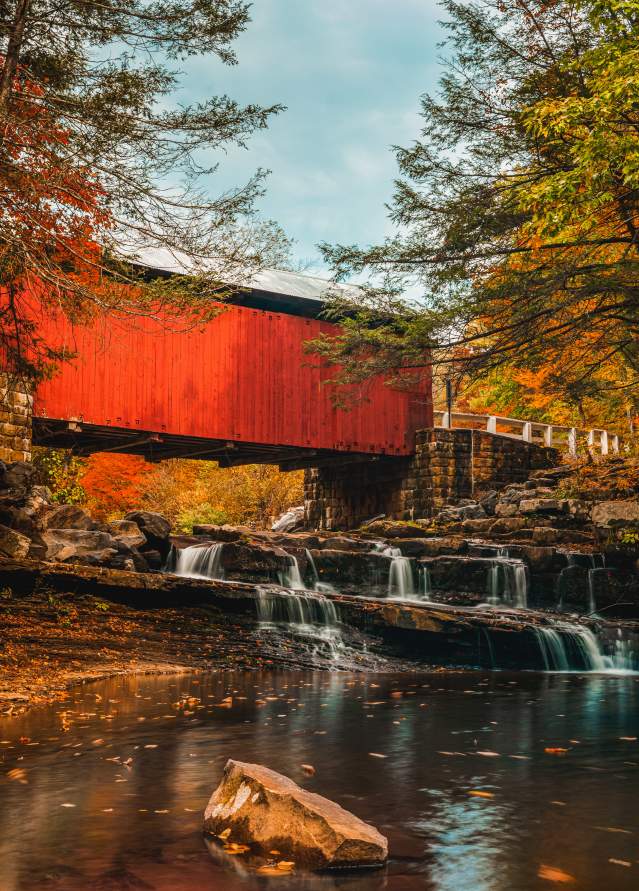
point(106, 790)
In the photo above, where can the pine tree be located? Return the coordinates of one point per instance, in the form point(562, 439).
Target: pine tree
point(518, 207)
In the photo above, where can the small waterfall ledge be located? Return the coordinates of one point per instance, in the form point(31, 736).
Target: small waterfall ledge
point(306, 607)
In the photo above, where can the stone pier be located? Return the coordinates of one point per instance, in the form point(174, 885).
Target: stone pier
point(447, 465)
point(16, 405)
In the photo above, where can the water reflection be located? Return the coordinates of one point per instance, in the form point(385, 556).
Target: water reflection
point(106, 790)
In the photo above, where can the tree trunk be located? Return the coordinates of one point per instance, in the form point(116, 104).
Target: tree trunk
point(14, 47)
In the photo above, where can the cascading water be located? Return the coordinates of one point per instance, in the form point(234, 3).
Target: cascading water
point(508, 581)
point(401, 583)
point(199, 562)
point(305, 614)
point(291, 577)
point(425, 583)
point(316, 584)
point(567, 647)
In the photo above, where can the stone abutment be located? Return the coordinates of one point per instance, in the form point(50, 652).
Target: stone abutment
point(16, 405)
point(448, 465)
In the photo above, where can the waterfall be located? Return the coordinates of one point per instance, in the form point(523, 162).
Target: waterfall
point(197, 562)
point(401, 585)
point(576, 648)
point(316, 584)
point(553, 650)
point(425, 583)
point(508, 582)
point(304, 613)
point(291, 577)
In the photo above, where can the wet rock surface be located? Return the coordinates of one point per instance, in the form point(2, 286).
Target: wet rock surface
point(256, 806)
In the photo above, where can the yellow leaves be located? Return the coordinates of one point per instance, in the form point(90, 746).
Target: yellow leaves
point(553, 874)
point(479, 793)
point(308, 769)
point(235, 849)
point(18, 775)
point(274, 869)
point(556, 750)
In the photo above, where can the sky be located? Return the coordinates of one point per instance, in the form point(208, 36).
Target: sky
point(351, 73)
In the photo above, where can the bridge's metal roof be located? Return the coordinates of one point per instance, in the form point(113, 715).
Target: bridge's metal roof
point(277, 290)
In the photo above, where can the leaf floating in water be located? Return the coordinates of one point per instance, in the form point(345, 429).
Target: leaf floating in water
point(552, 874)
point(308, 769)
point(151, 746)
point(286, 865)
point(19, 775)
point(628, 738)
point(233, 848)
point(67, 804)
point(224, 835)
point(557, 750)
point(161, 812)
point(377, 755)
point(619, 862)
point(488, 754)
point(479, 793)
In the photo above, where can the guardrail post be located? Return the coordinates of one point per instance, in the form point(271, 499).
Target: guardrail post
point(491, 424)
point(604, 442)
point(446, 420)
point(572, 441)
point(526, 433)
point(548, 436)
point(615, 444)
point(591, 440)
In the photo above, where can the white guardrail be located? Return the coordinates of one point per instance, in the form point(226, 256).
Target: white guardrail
point(532, 431)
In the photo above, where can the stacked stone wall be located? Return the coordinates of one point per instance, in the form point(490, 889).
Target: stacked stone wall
point(342, 496)
point(448, 465)
point(16, 404)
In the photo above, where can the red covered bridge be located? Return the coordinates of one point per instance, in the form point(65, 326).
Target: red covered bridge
point(238, 390)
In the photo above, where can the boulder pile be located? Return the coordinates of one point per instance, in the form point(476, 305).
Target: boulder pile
point(32, 526)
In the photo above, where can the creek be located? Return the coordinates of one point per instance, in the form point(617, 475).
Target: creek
point(480, 780)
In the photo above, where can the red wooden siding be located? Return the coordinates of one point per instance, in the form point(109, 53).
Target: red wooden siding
point(243, 377)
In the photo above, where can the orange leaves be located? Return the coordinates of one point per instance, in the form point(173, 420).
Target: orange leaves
point(553, 874)
point(114, 483)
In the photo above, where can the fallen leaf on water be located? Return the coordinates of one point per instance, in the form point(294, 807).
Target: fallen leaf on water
point(269, 870)
point(552, 874)
point(67, 804)
point(619, 862)
point(234, 848)
point(151, 746)
point(377, 755)
point(478, 793)
point(285, 865)
point(274, 853)
point(489, 754)
point(308, 769)
point(555, 751)
point(629, 738)
point(19, 775)
point(161, 812)
point(613, 829)
point(225, 834)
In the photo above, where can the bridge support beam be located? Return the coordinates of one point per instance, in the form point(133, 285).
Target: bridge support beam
point(16, 406)
point(447, 465)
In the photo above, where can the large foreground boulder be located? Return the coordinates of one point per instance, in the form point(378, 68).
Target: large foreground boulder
point(264, 809)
